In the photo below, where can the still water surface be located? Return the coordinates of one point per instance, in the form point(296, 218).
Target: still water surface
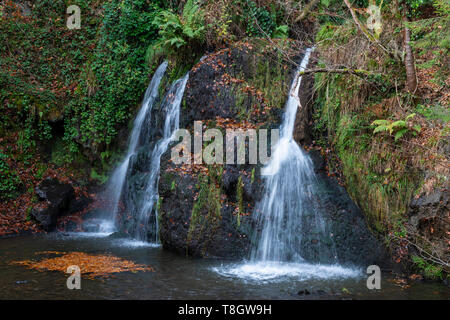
point(178, 277)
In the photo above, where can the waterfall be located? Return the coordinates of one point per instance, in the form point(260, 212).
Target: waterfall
point(143, 141)
point(117, 180)
point(288, 209)
point(171, 107)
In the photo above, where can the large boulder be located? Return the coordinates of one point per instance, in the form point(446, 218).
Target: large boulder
point(206, 210)
point(54, 199)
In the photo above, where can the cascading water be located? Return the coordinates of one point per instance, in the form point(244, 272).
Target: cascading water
point(116, 182)
point(144, 145)
point(288, 208)
point(288, 217)
point(171, 107)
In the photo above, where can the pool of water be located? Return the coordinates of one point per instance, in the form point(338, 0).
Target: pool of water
point(178, 277)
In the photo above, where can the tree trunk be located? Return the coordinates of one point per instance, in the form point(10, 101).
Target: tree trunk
point(411, 79)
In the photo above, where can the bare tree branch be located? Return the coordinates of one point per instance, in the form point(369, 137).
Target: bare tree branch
point(306, 10)
point(368, 35)
point(356, 72)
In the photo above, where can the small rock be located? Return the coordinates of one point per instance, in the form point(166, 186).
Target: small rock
point(303, 292)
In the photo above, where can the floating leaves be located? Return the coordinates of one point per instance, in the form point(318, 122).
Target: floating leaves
point(91, 266)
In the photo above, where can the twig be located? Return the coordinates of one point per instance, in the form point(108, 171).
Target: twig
point(369, 37)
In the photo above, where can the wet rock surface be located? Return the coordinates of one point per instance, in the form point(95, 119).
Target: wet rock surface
point(211, 217)
point(54, 199)
point(216, 231)
point(194, 226)
point(352, 239)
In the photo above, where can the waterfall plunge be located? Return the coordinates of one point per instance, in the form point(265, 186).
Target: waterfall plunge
point(288, 206)
point(171, 107)
point(144, 209)
point(287, 212)
point(117, 180)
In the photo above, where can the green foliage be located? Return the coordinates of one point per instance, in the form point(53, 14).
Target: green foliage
point(433, 34)
point(260, 22)
point(181, 36)
point(240, 200)
point(115, 77)
point(252, 179)
point(399, 128)
point(415, 6)
point(91, 78)
point(434, 112)
point(39, 62)
point(430, 270)
point(281, 32)
point(98, 177)
point(9, 181)
point(376, 177)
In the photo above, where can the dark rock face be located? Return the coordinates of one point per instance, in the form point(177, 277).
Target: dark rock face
point(429, 219)
point(214, 231)
point(353, 241)
point(206, 210)
point(54, 198)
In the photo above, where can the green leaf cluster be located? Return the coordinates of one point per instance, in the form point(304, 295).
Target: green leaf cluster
point(180, 35)
point(399, 128)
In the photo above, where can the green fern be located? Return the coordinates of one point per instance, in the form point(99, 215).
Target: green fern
point(399, 128)
point(180, 35)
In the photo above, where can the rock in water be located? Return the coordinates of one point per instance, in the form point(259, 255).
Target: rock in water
point(54, 198)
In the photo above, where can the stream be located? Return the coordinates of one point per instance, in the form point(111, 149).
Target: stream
point(178, 277)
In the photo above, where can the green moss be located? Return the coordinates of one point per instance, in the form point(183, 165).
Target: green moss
point(253, 175)
point(376, 174)
point(206, 210)
point(9, 181)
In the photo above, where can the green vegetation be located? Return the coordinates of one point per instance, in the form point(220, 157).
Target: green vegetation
point(91, 79)
point(181, 36)
point(240, 204)
point(114, 77)
point(260, 22)
point(9, 181)
point(433, 34)
point(399, 128)
point(383, 135)
point(430, 270)
point(206, 211)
